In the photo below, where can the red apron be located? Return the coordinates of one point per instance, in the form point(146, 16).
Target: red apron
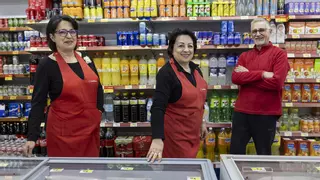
point(183, 119)
point(74, 121)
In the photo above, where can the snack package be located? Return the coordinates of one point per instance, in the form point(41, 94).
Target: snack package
point(296, 93)
point(315, 93)
point(314, 147)
point(286, 93)
point(306, 93)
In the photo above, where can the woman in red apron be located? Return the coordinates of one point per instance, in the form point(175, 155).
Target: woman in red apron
point(73, 120)
point(178, 102)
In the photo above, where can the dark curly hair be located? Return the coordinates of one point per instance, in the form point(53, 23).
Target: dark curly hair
point(52, 27)
point(173, 36)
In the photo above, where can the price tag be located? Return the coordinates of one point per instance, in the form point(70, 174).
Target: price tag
point(108, 89)
point(104, 20)
point(82, 48)
point(4, 164)
point(251, 46)
point(12, 29)
point(194, 178)
point(13, 97)
point(125, 47)
point(288, 104)
point(33, 49)
point(24, 119)
point(290, 80)
point(193, 18)
point(142, 86)
point(56, 170)
point(42, 124)
point(29, 97)
point(198, 46)
point(220, 47)
point(318, 168)
point(258, 169)
point(276, 45)
point(304, 134)
point(234, 87)
point(15, 52)
point(217, 87)
point(91, 20)
point(244, 17)
point(128, 87)
point(87, 171)
point(216, 18)
point(1, 97)
point(116, 124)
point(8, 177)
point(296, 36)
point(292, 17)
point(287, 133)
point(31, 22)
point(8, 78)
point(306, 55)
point(318, 80)
point(291, 55)
point(127, 168)
point(133, 124)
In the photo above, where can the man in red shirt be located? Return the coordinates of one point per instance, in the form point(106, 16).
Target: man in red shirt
point(260, 74)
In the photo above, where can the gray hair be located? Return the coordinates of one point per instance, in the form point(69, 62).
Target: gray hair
point(261, 20)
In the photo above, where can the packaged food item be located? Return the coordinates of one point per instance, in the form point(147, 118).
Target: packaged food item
point(316, 124)
point(297, 48)
point(175, 11)
point(289, 147)
point(126, 3)
point(291, 74)
point(296, 27)
point(162, 2)
point(113, 3)
point(306, 93)
point(308, 46)
point(133, 11)
point(296, 93)
point(316, 68)
point(308, 68)
point(119, 12)
point(298, 67)
point(314, 147)
point(304, 125)
point(303, 47)
point(113, 13)
point(182, 11)
point(176, 2)
point(286, 94)
point(302, 147)
point(214, 9)
point(182, 2)
point(312, 28)
point(126, 12)
point(315, 96)
point(168, 11)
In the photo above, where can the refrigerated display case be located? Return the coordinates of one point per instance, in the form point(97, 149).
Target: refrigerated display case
point(123, 169)
point(241, 167)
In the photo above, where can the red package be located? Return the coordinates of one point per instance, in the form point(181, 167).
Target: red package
point(123, 143)
point(142, 143)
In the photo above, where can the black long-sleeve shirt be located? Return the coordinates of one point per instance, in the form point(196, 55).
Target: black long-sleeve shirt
point(168, 90)
point(48, 80)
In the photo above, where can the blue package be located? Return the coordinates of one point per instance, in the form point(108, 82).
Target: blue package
point(251, 41)
point(223, 39)
point(296, 8)
point(204, 37)
point(317, 8)
point(135, 38)
point(216, 38)
point(230, 61)
point(3, 110)
point(210, 37)
point(156, 39)
point(129, 38)
point(142, 28)
point(119, 38)
point(307, 8)
point(301, 8)
point(230, 38)
point(237, 38)
point(15, 110)
point(27, 109)
point(124, 41)
point(224, 27)
point(312, 8)
point(230, 26)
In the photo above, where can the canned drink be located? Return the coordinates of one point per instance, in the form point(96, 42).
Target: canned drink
point(175, 11)
point(226, 9)
point(182, 11)
point(207, 10)
point(162, 11)
point(195, 11)
point(163, 40)
point(143, 39)
point(135, 38)
point(113, 13)
point(155, 39)
point(220, 9)
point(129, 38)
point(168, 11)
point(237, 38)
point(230, 26)
point(224, 27)
point(119, 12)
point(189, 10)
point(230, 38)
point(201, 10)
point(107, 13)
point(149, 39)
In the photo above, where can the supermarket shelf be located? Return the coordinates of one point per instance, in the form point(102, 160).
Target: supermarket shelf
point(305, 55)
point(13, 119)
point(13, 52)
point(300, 104)
point(7, 76)
point(130, 124)
point(14, 98)
point(219, 125)
point(15, 29)
point(304, 17)
point(223, 87)
point(303, 36)
point(110, 89)
point(298, 134)
point(303, 81)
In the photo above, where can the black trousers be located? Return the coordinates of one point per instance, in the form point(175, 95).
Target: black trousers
point(261, 128)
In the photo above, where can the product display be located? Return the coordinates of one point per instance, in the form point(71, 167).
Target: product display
point(90, 41)
point(302, 8)
point(300, 147)
point(221, 107)
point(304, 28)
point(305, 93)
point(301, 47)
point(12, 22)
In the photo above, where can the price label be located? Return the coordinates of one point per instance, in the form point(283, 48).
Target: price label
point(304, 134)
point(290, 80)
point(8, 78)
point(125, 47)
point(102, 124)
point(291, 55)
point(4, 164)
point(104, 20)
point(127, 168)
point(8, 177)
point(24, 119)
point(220, 47)
point(56, 170)
point(216, 18)
point(108, 89)
point(258, 169)
point(288, 104)
point(193, 18)
point(82, 48)
point(251, 46)
point(244, 17)
point(87, 171)
point(318, 80)
point(194, 178)
point(116, 124)
point(91, 20)
point(292, 17)
point(29, 97)
point(306, 55)
point(133, 124)
point(287, 133)
point(12, 29)
point(1, 97)
point(234, 87)
point(128, 87)
point(31, 22)
point(142, 87)
point(15, 52)
point(13, 97)
point(276, 45)
point(198, 46)
point(33, 49)
point(42, 124)
point(295, 36)
point(217, 87)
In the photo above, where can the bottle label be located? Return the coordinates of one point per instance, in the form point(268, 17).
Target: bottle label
point(152, 68)
point(143, 69)
point(134, 69)
point(108, 107)
point(141, 101)
point(115, 68)
point(116, 102)
point(214, 103)
point(133, 102)
point(33, 68)
point(224, 103)
point(125, 102)
point(106, 68)
point(124, 70)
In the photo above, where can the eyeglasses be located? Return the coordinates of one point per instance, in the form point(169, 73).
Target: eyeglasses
point(64, 32)
point(261, 31)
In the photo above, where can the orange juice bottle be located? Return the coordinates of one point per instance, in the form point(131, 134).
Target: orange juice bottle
point(106, 70)
point(222, 145)
point(124, 70)
point(210, 144)
point(115, 66)
point(160, 62)
point(228, 139)
point(134, 71)
point(200, 153)
point(98, 63)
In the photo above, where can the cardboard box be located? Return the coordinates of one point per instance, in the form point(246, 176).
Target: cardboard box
point(312, 28)
point(297, 27)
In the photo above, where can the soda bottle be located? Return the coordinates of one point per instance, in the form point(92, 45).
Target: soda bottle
point(108, 107)
point(204, 65)
point(152, 71)
point(149, 105)
point(102, 152)
point(106, 70)
point(115, 66)
point(142, 108)
point(232, 104)
point(214, 108)
point(134, 71)
point(125, 107)
point(109, 143)
point(210, 144)
point(133, 108)
point(213, 63)
point(33, 67)
point(98, 63)
point(225, 108)
point(228, 139)
point(160, 62)
point(43, 143)
point(200, 153)
point(124, 69)
point(10, 131)
point(222, 145)
point(117, 108)
point(18, 129)
point(143, 71)
point(24, 129)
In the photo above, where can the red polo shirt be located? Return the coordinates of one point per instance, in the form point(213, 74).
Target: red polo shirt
point(256, 94)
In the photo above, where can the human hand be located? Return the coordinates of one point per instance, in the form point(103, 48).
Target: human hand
point(241, 69)
point(204, 130)
point(28, 147)
point(267, 75)
point(155, 151)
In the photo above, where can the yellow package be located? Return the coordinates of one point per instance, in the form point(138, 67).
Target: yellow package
point(251, 149)
point(275, 148)
point(314, 147)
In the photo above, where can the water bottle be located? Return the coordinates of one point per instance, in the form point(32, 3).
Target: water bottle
point(108, 107)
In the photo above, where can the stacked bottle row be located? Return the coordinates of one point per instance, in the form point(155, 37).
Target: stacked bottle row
point(114, 71)
point(221, 106)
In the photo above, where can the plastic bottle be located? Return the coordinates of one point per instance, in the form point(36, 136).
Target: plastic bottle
point(294, 118)
point(196, 59)
point(160, 62)
point(106, 70)
point(124, 69)
point(117, 108)
point(142, 108)
point(125, 107)
point(273, 36)
point(152, 71)
point(284, 120)
point(225, 108)
point(98, 63)
point(213, 64)
point(149, 105)
point(204, 65)
point(133, 108)
point(222, 63)
point(108, 107)
point(115, 65)
point(215, 108)
point(222, 145)
point(134, 71)
point(200, 153)
point(143, 71)
point(210, 144)
point(228, 139)
point(233, 100)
